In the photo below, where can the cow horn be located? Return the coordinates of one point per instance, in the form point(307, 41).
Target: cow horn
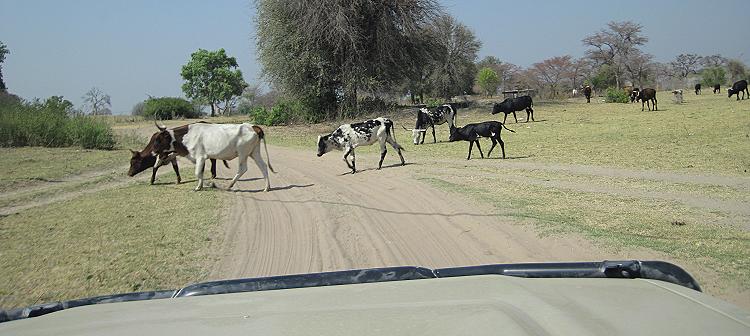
point(161, 128)
point(408, 129)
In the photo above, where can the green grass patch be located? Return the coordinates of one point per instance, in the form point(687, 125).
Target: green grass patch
point(113, 241)
point(26, 165)
point(614, 221)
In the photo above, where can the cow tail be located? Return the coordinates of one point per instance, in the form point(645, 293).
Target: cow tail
point(225, 163)
point(262, 136)
point(389, 133)
point(507, 128)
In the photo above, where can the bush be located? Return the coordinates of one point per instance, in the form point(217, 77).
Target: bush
point(615, 95)
point(49, 125)
point(169, 108)
point(712, 76)
point(283, 112)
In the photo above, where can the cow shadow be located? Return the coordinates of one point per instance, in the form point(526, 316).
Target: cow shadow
point(291, 186)
point(393, 165)
point(508, 157)
point(249, 179)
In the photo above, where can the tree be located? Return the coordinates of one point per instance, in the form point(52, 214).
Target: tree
point(736, 69)
point(324, 52)
point(3, 51)
point(456, 49)
point(714, 61)
point(639, 67)
point(59, 104)
point(212, 77)
point(615, 45)
point(169, 108)
point(552, 71)
point(714, 75)
point(96, 102)
point(581, 70)
point(488, 80)
point(685, 65)
point(505, 71)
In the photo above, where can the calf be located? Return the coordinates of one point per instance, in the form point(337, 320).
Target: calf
point(202, 141)
point(142, 160)
point(647, 96)
point(350, 136)
point(698, 88)
point(426, 118)
point(511, 105)
point(737, 87)
point(634, 94)
point(717, 88)
point(472, 133)
point(587, 93)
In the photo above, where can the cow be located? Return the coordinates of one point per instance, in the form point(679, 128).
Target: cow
point(737, 87)
point(426, 118)
point(347, 137)
point(634, 94)
point(511, 105)
point(717, 88)
point(472, 133)
point(677, 96)
point(646, 96)
point(146, 158)
point(587, 93)
point(698, 88)
point(199, 142)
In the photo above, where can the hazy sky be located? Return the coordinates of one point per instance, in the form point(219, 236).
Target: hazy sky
point(134, 48)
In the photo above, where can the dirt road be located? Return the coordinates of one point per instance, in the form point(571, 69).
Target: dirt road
point(316, 219)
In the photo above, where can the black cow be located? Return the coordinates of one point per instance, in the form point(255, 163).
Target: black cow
point(350, 136)
point(472, 133)
point(511, 105)
point(698, 88)
point(587, 93)
point(634, 94)
point(426, 118)
point(737, 87)
point(647, 96)
point(717, 88)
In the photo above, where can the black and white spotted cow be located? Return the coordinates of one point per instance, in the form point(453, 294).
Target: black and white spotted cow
point(350, 136)
point(426, 118)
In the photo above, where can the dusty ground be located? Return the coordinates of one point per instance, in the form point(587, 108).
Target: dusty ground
point(316, 219)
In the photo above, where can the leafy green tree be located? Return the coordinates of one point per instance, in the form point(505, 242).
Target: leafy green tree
point(212, 77)
point(488, 80)
point(169, 108)
point(714, 75)
point(3, 51)
point(326, 52)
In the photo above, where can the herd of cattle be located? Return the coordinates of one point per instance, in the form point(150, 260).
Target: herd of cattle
point(203, 141)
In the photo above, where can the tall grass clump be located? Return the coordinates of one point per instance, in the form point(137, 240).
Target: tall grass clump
point(51, 124)
point(615, 95)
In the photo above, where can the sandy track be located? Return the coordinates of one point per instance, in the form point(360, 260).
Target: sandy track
point(317, 220)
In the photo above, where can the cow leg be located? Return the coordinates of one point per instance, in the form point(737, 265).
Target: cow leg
point(434, 139)
point(153, 174)
point(529, 112)
point(480, 149)
point(213, 173)
point(502, 146)
point(240, 170)
point(383, 151)
point(397, 147)
point(176, 170)
point(514, 117)
point(494, 142)
point(643, 102)
point(656, 108)
point(506, 117)
point(200, 163)
point(351, 166)
point(424, 134)
point(262, 166)
point(471, 145)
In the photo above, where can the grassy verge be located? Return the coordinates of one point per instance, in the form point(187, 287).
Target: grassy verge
point(108, 242)
point(26, 165)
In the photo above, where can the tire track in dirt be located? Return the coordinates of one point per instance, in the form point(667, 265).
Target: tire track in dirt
point(316, 219)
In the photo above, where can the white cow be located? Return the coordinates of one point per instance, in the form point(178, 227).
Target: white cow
point(202, 141)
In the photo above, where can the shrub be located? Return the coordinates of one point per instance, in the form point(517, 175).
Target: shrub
point(49, 125)
point(615, 95)
point(283, 112)
point(713, 75)
point(169, 108)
